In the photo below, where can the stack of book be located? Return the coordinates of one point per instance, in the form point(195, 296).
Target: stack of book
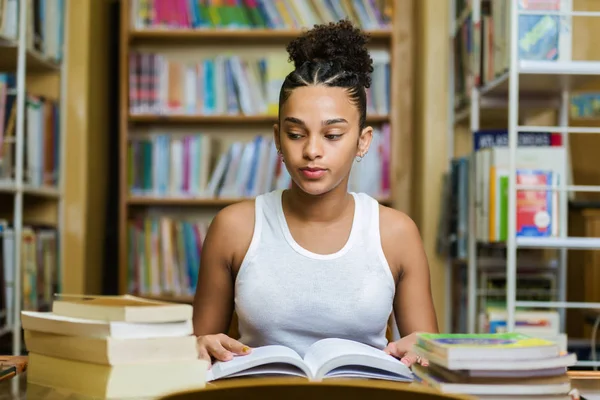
point(494, 366)
point(113, 347)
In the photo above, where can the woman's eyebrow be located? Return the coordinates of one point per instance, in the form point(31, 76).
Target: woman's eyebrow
point(334, 121)
point(326, 122)
point(294, 120)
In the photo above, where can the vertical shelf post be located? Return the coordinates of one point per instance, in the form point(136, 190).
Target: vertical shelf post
point(513, 117)
point(472, 243)
point(18, 199)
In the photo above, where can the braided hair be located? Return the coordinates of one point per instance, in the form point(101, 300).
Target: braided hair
point(332, 54)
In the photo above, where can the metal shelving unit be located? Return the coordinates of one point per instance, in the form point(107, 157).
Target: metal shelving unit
point(27, 61)
point(559, 77)
point(537, 84)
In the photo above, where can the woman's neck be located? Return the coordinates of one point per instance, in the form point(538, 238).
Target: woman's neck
point(327, 207)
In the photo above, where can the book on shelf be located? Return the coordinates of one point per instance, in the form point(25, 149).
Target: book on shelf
point(41, 139)
point(45, 26)
point(256, 14)
point(541, 161)
point(482, 51)
point(40, 275)
point(227, 85)
point(178, 240)
point(501, 364)
point(330, 358)
point(585, 105)
point(111, 356)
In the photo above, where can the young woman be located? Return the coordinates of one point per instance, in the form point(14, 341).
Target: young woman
point(315, 261)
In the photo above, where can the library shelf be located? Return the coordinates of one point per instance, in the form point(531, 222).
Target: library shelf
point(201, 201)
point(183, 201)
point(221, 119)
point(537, 79)
point(247, 35)
point(558, 242)
point(32, 191)
point(36, 61)
point(179, 44)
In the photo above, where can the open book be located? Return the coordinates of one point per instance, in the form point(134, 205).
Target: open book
point(327, 358)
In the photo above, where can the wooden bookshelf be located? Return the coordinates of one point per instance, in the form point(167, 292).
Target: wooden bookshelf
point(396, 39)
point(36, 60)
point(175, 201)
point(180, 36)
point(222, 119)
point(201, 202)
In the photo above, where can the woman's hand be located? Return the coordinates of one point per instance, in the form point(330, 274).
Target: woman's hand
point(402, 349)
point(220, 347)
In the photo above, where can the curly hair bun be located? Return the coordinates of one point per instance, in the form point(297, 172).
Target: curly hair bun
point(339, 43)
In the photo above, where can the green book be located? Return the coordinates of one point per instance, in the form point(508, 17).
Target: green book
point(499, 346)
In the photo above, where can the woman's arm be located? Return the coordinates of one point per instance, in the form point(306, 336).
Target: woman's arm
point(413, 303)
point(224, 246)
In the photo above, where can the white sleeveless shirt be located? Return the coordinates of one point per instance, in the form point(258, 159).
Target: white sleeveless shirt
point(285, 294)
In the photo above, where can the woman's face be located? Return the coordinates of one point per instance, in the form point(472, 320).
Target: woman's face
point(319, 137)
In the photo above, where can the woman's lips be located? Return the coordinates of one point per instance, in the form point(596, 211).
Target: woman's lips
point(313, 172)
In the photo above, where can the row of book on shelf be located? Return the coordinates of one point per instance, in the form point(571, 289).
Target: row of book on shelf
point(164, 251)
point(151, 344)
point(42, 136)
point(541, 161)
point(538, 280)
point(261, 14)
point(227, 84)
point(40, 274)
point(482, 51)
point(45, 25)
point(194, 166)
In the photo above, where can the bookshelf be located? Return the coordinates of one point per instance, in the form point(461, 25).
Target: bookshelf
point(220, 123)
point(515, 173)
point(31, 159)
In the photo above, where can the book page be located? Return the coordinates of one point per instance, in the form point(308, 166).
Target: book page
point(329, 354)
point(260, 356)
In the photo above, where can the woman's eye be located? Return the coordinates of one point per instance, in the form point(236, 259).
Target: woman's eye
point(294, 135)
point(333, 137)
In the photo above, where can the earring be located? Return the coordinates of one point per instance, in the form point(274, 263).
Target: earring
point(359, 158)
point(280, 154)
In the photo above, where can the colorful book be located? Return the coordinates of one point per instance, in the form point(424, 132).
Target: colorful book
point(499, 346)
point(537, 210)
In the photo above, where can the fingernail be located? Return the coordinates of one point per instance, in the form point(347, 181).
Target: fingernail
point(245, 349)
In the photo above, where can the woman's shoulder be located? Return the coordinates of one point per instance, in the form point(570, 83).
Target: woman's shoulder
point(391, 221)
point(230, 232)
point(396, 222)
point(236, 217)
point(400, 237)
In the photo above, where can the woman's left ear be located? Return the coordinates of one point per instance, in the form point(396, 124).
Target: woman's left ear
point(364, 141)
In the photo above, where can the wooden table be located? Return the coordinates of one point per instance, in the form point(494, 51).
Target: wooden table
point(588, 383)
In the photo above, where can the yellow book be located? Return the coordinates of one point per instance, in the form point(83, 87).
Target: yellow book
point(112, 351)
point(116, 382)
point(124, 308)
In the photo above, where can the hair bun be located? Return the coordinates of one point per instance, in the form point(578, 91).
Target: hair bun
point(340, 44)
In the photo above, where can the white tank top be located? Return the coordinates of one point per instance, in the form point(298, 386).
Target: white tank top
point(285, 294)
